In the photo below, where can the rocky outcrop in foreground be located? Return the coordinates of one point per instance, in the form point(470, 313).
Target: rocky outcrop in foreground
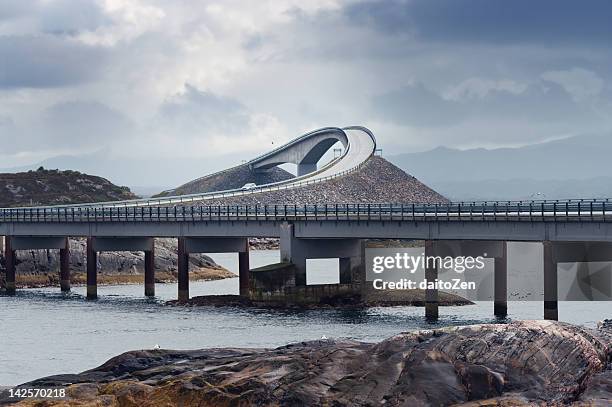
point(523, 363)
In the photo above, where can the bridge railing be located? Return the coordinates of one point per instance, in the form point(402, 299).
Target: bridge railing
point(552, 211)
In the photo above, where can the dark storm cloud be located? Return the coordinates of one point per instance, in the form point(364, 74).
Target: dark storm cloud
point(47, 61)
point(546, 22)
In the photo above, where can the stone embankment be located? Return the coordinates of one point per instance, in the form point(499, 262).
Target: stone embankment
point(524, 363)
point(39, 268)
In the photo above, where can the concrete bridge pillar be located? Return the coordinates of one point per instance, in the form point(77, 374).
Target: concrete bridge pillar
point(500, 289)
point(345, 268)
point(431, 274)
point(149, 270)
point(92, 269)
point(111, 244)
point(551, 307)
point(65, 267)
point(244, 270)
point(183, 270)
point(9, 257)
point(14, 243)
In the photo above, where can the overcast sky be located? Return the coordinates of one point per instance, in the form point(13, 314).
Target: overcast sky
point(205, 78)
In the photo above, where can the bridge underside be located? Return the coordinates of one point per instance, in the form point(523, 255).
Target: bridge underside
point(304, 154)
point(302, 240)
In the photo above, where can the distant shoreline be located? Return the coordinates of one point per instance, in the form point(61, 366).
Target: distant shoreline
point(78, 279)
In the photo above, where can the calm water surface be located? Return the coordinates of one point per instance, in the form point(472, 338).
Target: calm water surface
point(45, 332)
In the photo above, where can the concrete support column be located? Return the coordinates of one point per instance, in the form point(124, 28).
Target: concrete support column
point(92, 270)
point(292, 252)
point(345, 270)
point(183, 271)
point(431, 274)
point(300, 270)
point(9, 257)
point(551, 310)
point(65, 267)
point(500, 296)
point(244, 270)
point(149, 270)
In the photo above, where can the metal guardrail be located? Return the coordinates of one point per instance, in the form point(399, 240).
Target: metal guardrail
point(550, 211)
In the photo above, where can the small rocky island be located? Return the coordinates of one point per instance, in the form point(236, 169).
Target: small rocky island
point(524, 363)
point(55, 187)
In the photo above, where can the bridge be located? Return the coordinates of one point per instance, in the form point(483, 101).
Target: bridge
point(570, 230)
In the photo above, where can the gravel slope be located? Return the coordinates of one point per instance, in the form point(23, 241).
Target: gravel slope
point(377, 181)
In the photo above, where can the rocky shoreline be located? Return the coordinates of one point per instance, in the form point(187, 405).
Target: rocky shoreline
point(523, 363)
point(39, 268)
point(80, 279)
point(415, 298)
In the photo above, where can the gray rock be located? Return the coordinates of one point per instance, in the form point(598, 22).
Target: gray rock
point(46, 261)
point(518, 364)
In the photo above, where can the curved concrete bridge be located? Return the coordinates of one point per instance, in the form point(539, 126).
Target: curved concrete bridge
point(304, 151)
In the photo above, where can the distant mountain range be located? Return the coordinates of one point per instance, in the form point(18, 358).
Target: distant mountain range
point(577, 166)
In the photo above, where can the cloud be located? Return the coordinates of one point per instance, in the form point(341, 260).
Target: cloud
point(82, 124)
point(582, 84)
point(473, 100)
point(415, 105)
point(199, 111)
point(67, 17)
point(479, 88)
point(47, 61)
point(200, 123)
point(548, 22)
point(73, 127)
point(202, 79)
